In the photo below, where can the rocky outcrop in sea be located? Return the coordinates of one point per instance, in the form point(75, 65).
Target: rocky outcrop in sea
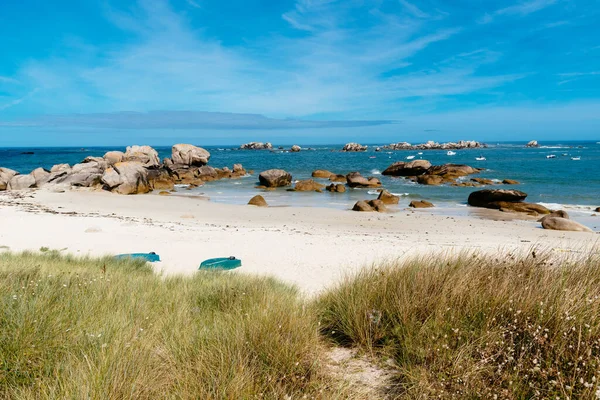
point(349, 147)
point(257, 146)
point(135, 171)
point(431, 145)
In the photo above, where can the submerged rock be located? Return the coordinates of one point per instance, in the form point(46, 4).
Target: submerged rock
point(336, 187)
point(420, 204)
point(510, 182)
point(308, 186)
point(275, 178)
point(356, 180)
point(322, 173)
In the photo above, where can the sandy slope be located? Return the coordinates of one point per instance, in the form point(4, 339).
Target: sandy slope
point(311, 247)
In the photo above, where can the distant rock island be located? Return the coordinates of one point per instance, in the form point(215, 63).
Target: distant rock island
point(431, 145)
point(256, 146)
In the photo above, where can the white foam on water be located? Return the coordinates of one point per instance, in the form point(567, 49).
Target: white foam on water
point(375, 172)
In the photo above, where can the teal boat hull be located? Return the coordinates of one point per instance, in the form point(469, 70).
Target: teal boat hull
point(223, 263)
point(150, 257)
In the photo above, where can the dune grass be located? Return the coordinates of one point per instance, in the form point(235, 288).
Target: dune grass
point(473, 327)
point(104, 329)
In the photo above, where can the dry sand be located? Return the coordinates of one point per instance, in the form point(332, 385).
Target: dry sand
point(310, 247)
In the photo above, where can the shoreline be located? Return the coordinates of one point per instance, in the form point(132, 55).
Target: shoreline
point(311, 247)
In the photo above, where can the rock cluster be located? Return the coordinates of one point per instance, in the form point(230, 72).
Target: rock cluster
point(532, 143)
point(369, 205)
point(137, 170)
point(422, 172)
point(431, 145)
point(354, 147)
point(256, 146)
point(508, 200)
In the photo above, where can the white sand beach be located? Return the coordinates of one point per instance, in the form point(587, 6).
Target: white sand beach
point(310, 247)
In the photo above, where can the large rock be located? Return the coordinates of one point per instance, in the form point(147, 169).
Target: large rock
point(412, 168)
point(256, 146)
point(275, 178)
point(207, 173)
point(563, 224)
point(520, 207)
point(85, 174)
point(482, 197)
point(336, 187)
point(369, 205)
point(127, 177)
point(113, 157)
point(145, 155)
point(322, 173)
point(557, 213)
point(41, 176)
point(20, 182)
point(420, 204)
point(258, 200)
point(362, 205)
point(354, 147)
point(295, 148)
point(338, 178)
point(308, 186)
point(160, 179)
point(356, 180)
point(452, 171)
point(430, 180)
point(187, 154)
point(5, 176)
point(60, 168)
point(388, 198)
point(505, 200)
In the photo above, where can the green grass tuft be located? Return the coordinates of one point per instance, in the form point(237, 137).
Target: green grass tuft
point(106, 329)
point(476, 327)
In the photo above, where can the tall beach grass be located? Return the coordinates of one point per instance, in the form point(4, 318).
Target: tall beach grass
point(82, 328)
point(470, 327)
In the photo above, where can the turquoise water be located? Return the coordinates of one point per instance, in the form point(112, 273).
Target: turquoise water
point(558, 181)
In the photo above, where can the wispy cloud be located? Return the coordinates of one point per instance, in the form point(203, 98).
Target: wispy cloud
point(18, 101)
point(183, 120)
point(520, 9)
point(325, 64)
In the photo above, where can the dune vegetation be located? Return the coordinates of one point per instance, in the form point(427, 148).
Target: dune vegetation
point(442, 327)
point(83, 328)
point(476, 327)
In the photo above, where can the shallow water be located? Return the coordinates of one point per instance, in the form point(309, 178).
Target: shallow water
point(558, 182)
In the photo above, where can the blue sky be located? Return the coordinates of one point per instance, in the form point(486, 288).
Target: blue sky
point(307, 71)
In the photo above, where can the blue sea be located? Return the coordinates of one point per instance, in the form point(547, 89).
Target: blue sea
point(555, 182)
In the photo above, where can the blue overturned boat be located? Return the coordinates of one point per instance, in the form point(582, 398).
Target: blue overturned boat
point(223, 263)
point(150, 257)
